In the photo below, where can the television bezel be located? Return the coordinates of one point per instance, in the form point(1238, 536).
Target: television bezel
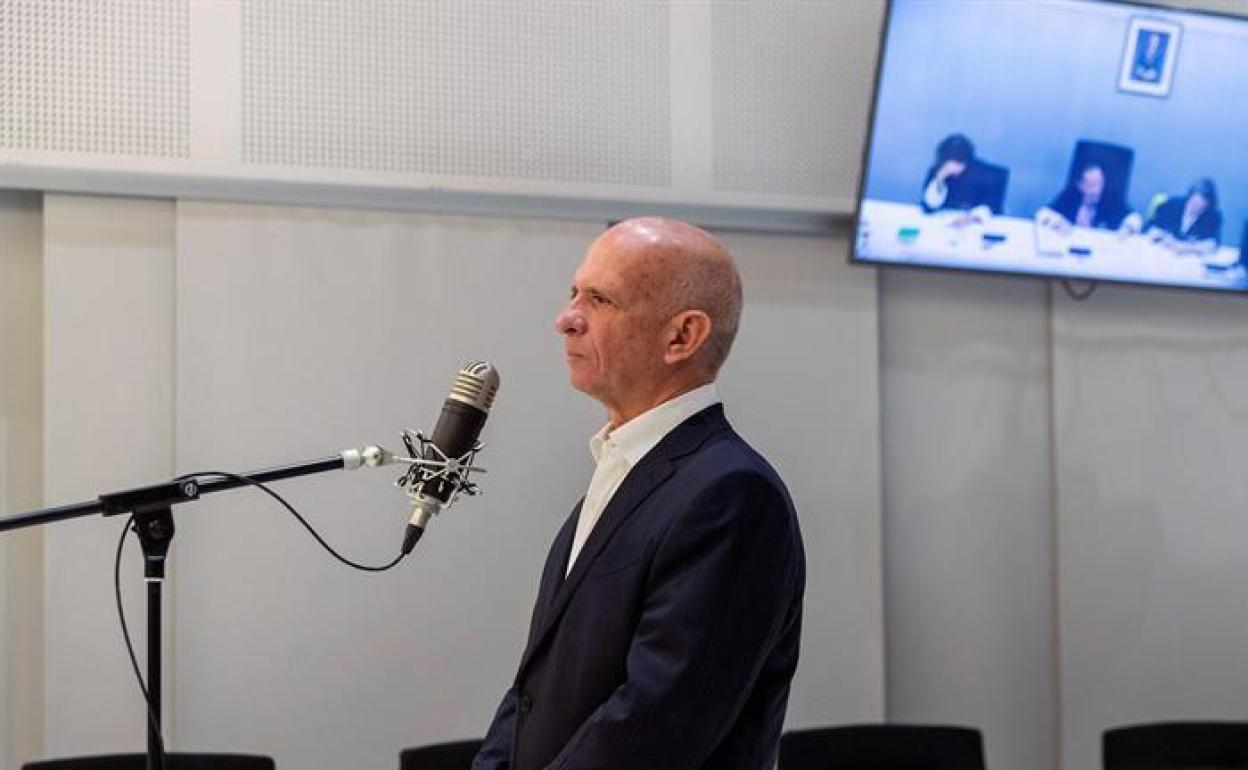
point(855, 259)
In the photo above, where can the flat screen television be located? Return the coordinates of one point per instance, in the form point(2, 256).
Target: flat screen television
point(1084, 139)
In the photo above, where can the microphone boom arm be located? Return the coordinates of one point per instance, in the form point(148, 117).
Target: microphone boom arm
point(188, 488)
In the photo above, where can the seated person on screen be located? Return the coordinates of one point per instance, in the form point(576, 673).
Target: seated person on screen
point(955, 182)
point(1191, 223)
point(1085, 203)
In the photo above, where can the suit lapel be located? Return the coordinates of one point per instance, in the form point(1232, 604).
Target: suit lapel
point(552, 573)
point(643, 479)
point(560, 552)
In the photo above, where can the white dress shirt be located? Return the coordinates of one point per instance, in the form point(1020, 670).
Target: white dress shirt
point(618, 451)
point(935, 194)
point(1186, 222)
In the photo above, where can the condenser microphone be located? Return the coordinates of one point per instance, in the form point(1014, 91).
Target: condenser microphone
point(449, 449)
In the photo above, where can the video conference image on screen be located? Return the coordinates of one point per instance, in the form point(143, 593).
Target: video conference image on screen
point(1069, 138)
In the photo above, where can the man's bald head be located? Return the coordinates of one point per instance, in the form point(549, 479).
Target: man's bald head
point(682, 268)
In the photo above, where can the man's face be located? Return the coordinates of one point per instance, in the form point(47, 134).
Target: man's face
point(1092, 183)
point(611, 328)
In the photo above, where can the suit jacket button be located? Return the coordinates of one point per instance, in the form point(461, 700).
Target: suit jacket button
point(526, 703)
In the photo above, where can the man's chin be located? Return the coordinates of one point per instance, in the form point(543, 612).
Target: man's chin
point(581, 383)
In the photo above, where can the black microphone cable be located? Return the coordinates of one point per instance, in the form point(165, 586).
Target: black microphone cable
point(263, 487)
point(121, 611)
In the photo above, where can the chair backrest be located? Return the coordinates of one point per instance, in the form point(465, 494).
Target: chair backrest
point(1114, 159)
point(441, 756)
point(173, 761)
point(995, 181)
point(883, 747)
point(1176, 745)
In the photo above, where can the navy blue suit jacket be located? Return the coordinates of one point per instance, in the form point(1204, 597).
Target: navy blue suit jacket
point(1169, 217)
point(672, 642)
point(1110, 210)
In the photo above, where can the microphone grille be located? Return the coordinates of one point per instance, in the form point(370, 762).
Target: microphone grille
point(476, 385)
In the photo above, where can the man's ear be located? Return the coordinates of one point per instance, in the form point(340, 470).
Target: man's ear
point(686, 334)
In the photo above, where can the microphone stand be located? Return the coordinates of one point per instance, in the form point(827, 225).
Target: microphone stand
point(152, 507)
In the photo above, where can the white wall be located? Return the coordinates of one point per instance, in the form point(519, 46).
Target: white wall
point(1063, 510)
point(1151, 429)
point(259, 297)
point(302, 331)
point(295, 332)
point(803, 386)
point(108, 388)
point(968, 511)
point(21, 466)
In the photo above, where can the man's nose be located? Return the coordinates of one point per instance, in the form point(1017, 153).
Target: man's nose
point(570, 321)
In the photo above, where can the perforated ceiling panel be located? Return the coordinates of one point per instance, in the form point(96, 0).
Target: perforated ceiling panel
point(558, 90)
point(750, 112)
point(790, 83)
point(97, 76)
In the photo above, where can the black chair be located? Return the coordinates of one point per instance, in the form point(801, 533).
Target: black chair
point(441, 756)
point(173, 761)
point(883, 747)
point(994, 181)
point(1176, 745)
point(1114, 159)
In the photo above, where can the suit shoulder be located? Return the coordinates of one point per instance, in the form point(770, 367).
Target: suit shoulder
point(726, 458)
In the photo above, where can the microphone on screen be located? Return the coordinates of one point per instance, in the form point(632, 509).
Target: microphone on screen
point(445, 459)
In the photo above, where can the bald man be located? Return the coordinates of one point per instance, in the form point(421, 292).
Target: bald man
point(666, 628)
